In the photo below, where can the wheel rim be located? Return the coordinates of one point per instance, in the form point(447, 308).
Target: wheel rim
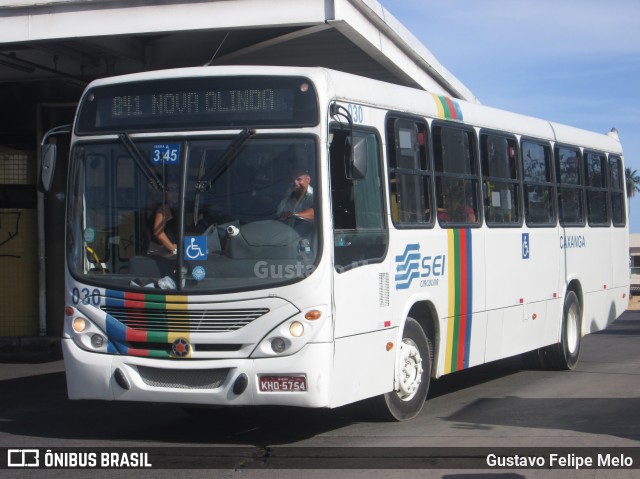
point(410, 370)
point(572, 330)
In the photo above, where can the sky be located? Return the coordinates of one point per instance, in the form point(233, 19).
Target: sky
point(570, 61)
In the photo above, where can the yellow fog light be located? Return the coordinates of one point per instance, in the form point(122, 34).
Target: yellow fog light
point(296, 329)
point(79, 325)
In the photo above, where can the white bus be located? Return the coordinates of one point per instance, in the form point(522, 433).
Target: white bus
point(299, 236)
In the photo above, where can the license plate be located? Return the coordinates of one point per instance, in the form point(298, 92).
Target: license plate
point(283, 383)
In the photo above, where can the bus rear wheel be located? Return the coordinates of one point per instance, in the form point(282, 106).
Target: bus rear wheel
point(413, 373)
point(565, 354)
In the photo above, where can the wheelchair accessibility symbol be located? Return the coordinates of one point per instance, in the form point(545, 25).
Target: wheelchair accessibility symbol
point(195, 248)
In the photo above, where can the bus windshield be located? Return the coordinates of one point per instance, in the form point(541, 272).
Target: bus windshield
point(196, 216)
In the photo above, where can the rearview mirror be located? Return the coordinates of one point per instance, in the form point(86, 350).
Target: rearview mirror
point(48, 165)
point(359, 159)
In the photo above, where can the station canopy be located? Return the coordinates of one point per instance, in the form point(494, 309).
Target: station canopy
point(77, 41)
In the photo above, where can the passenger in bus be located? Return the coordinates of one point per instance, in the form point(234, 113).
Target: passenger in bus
point(164, 225)
point(298, 202)
point(458, 207)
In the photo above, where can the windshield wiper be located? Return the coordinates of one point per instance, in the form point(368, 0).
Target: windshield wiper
point(226, 160)
point(205, 181)
point(155, 182)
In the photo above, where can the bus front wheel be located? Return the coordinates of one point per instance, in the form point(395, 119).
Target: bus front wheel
point(413, 373)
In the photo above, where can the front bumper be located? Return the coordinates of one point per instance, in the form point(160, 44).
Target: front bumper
point(208, 382)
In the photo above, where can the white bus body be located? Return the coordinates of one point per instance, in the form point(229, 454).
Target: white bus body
point(509, 278)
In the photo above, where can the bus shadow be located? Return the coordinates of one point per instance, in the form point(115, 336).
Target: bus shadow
point(475, 376)
point(629, 325)
point(37, 406)
point(619, 417)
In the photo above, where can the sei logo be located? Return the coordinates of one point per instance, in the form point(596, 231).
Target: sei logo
point(411, 265)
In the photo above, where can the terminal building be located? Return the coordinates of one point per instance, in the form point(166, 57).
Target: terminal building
point(51, 49)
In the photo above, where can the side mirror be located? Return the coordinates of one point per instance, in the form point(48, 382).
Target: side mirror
point(359, 159)
point(48, 165)
point(48, 156)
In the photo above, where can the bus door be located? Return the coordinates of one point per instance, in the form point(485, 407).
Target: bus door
point(362, 366)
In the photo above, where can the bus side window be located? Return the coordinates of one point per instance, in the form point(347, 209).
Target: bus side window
point(456, 170)
point(501, 180)
point(360, 233)
point(409, 173)
point(596, 188)
point(616, 191)
point(538, 184)
point(570, 186)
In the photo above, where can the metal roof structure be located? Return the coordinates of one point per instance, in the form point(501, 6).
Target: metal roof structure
point(76, 41)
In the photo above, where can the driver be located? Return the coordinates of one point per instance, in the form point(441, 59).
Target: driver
point(298, 203)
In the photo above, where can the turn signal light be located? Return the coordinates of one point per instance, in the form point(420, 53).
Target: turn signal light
point(312, 315)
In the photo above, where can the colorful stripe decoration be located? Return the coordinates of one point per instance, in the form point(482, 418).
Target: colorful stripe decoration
point(460, 271)
point(136, 305)
point(448, 109)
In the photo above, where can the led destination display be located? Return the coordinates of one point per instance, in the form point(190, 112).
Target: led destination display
point(199, 103)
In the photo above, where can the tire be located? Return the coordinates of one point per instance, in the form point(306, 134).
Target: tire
point(535, 359)
point(565, 354)
point(414, 374)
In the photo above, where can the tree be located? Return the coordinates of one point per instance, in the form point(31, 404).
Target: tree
point(633, 182)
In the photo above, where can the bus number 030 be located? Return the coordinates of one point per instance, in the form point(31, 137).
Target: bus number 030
point(85, 296)
point(357, 113)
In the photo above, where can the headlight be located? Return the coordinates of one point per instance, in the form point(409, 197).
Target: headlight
point(292, 335)
point(296, 329)
point(79, 325)
point(87, 335)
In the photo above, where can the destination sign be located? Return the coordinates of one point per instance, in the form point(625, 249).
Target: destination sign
point(199, 103)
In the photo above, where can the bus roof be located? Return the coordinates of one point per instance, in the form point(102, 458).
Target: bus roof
point(353, 88)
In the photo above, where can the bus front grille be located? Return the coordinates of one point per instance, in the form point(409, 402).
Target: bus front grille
point(183, 378)
point(200, 321)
